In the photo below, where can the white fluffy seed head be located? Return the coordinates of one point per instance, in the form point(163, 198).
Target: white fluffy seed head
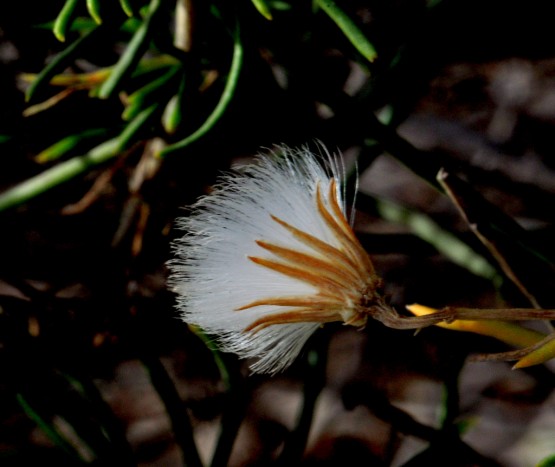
point(215, 273)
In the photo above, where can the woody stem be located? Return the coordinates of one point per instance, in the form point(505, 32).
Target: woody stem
point(390, 318)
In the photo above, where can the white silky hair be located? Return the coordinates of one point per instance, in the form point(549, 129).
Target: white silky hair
point(212, 273)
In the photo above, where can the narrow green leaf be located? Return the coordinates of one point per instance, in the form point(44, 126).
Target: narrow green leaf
point(446, 243)
point(223, 103)
point(93, 7)
point(263, 8)
point(349, 28)
point(127, 7)
point(133, 53)
point(48, 428)
point(153, 92)
point(57, 175)
point(129, 135)
point(121, 453)
point(68, 143)
point(59, 62)
point(69, 169)
point(64, 19)
point(173, 113)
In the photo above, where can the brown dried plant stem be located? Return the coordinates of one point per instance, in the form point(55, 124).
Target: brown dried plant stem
point(514, 354)
point(390, 318)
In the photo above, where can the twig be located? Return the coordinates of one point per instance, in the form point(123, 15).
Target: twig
point(389, 316)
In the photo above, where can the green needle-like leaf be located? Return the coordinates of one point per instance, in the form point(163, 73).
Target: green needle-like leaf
point(173, 113)
point(127, 7)
point(48, 429)
point(132, 54)
point(69, 169)
point(59, 62)
point(349, 28)
point(64, 19)
point(446, 243)
point(153, 92)
point(93, 7)
point(57, 175)
point(263, 8)
point(62, 147)
point(223, 103)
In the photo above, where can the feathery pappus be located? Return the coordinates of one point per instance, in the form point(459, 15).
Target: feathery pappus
point(269, 255)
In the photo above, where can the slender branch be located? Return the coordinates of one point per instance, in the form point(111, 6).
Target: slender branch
point(390, 318)
point(514, 354)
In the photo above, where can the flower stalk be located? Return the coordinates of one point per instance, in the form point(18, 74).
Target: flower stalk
point(535, 347)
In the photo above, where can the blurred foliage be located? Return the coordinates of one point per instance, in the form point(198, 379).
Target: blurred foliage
point(167, 93)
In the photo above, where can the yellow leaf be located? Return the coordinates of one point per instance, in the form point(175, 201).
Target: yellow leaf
point(540, 355)
point(509, 333)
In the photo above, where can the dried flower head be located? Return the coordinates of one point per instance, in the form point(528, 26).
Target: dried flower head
point(268, 256)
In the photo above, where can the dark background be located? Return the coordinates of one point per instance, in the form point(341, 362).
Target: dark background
point(83, 296)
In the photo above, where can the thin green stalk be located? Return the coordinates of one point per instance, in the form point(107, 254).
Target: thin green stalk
point(182, 428)
point(349, 28)
point(133, 53)
point(223, 103)
point(129, 134)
